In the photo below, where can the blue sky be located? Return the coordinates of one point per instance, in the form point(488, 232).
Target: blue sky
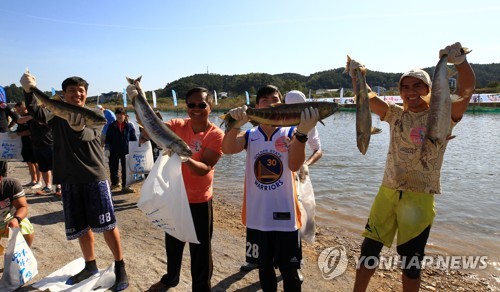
point(103, 41)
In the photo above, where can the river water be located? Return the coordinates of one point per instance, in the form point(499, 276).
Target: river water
point(345, 183)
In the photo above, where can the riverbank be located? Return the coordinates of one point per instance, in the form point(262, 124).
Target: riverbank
point(144, 252)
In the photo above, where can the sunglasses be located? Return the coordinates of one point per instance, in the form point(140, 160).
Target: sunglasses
point(199, 105)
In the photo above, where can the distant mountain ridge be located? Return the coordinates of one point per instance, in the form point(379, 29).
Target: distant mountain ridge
point(487, 80)
point(487, 77)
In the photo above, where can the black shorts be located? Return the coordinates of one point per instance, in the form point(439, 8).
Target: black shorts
point(28, 155)
point(43, 157)
point(283, 248)
point(87, 206)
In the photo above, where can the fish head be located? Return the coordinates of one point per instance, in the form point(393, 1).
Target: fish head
point(97, 121)
point(327, 109)
point(363, 141)
point(182, 149)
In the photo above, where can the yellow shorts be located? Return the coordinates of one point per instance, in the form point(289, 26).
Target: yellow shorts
point(407, 212)
point(25, 226)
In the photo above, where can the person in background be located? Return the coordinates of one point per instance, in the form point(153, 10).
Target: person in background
point(313, 142)
point(42, 142)
point(14, 209)
point(205, 141)
point(408, 186)
point(119, 133)
point(110, 118)
point(86, 196)
point(23, 130)
point(270, 208)
point(6, 111)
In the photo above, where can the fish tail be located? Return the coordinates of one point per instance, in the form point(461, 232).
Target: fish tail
point(227, 121)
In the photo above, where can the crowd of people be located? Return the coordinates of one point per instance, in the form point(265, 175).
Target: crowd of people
point(275, 158)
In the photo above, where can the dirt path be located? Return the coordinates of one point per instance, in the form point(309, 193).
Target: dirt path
point(145, 257)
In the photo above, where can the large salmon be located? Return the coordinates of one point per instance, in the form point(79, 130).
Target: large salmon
point(281, 114)
point(363, 114)
point(63, 109)
point(157, 130)
point(439, 118)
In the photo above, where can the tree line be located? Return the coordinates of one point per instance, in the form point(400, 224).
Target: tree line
point(487, 80)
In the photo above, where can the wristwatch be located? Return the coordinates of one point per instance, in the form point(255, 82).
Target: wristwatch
point(18, 219)
point(301, 137)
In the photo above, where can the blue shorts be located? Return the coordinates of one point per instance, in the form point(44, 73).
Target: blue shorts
point(87, 206)
point(281, 248)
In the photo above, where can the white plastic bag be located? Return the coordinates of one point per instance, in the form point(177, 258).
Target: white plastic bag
point(20, 265)
point(10, 148)
point(56, 281)
point(307, 205)
point(131, 177)
point(141, 157)
point(164, 199)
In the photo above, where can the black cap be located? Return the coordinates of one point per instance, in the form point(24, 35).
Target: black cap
point(119, 110)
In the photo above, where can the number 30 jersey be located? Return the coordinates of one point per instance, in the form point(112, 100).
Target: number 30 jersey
point(270, 198)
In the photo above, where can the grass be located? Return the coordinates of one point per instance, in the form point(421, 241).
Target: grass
point(166, 104)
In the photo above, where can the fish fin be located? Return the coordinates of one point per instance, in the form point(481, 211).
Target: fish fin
point(57, 97)
point(227, 121)
point(376, 130)
point(322, 123)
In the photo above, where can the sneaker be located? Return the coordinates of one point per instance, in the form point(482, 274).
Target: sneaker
point(301, 277)
point(128, 189)
point(29, 184)
point(248, 267)
point(117, 186)
point(37, 186)
point(45, 191)
point(58, 192)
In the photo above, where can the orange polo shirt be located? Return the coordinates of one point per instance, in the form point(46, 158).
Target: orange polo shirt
point(198, 188)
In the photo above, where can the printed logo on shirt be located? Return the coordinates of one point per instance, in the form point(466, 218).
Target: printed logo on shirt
point(282, 144)
point(196, 145)
point(417, 135)
point(268, 168)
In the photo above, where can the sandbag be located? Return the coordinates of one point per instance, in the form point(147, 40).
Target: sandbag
point(164, 199)
point(141, 157)
point(131, 177)
point(10, 148)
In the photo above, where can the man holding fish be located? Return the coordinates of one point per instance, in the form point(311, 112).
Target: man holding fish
point(86, 194)
point(270, 208)
point(405, 200)
point(199, 144)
